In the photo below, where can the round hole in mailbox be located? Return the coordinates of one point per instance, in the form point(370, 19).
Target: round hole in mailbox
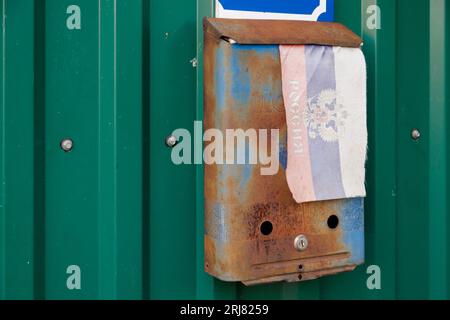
point(333, 222)
point(266, 228)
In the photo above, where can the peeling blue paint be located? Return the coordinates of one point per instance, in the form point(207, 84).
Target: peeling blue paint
point(283, 152)
point(267, 91)
point(246, 168)
point(240, 90)
point(220, 79)
point(220, 215)
point(258, 48)
point(352, 220)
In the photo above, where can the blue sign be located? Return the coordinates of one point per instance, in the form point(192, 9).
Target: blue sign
point(312, 10)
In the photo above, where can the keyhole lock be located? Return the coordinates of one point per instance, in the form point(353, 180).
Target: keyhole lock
point(67, 145)
point(301, 243)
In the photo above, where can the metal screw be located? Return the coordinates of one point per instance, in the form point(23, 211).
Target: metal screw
point(67, 145)
point(301, 243)
point(415, 134)
point(171, 141)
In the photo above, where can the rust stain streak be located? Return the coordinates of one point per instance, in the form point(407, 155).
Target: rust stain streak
point(339, 255)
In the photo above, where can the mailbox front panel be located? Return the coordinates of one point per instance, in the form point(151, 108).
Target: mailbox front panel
point(251, 220)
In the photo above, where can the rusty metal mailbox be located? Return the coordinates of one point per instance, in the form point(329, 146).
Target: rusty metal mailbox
point(254, 230)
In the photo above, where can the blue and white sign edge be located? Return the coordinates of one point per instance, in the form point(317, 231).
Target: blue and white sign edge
point(237, 14)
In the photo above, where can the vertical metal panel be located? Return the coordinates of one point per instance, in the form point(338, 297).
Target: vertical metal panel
point(116, 205)
point(381, 216)
point(72, 95)
point(17, 186)
point(84, 207)
point(438, 174)
point(172, 227)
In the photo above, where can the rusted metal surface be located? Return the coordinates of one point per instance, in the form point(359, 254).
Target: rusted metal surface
point(282, 32)
point(243, 90)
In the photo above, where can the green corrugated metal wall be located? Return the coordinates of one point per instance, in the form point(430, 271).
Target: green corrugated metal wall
point(117, 207)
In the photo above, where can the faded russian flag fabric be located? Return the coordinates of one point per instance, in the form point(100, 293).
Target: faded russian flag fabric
point(324, 90)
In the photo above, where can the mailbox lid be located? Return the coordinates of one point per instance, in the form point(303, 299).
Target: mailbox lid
point(248, 31)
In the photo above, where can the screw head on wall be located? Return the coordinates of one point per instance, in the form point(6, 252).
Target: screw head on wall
point(66, 145)
point(171, 141)
point(415, 134)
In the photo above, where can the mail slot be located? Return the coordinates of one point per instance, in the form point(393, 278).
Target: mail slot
point(255, 232)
